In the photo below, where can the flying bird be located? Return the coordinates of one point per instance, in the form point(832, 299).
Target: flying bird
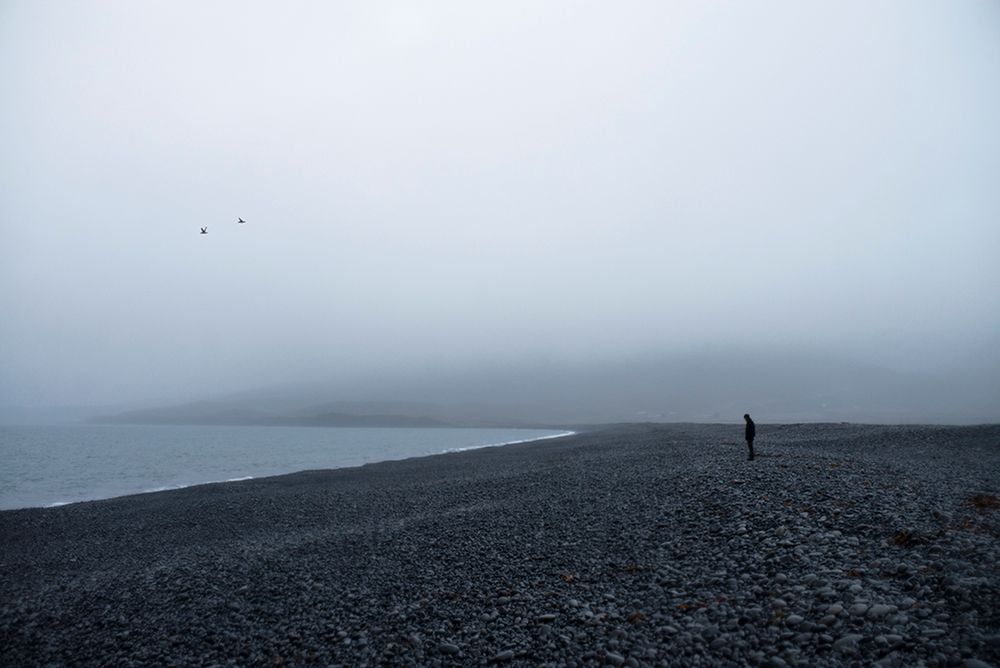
point(241, 221)
point(204, 230)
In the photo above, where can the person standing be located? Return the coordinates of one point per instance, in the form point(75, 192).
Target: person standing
point(750, 432)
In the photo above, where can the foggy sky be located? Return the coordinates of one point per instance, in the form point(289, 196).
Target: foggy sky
point(446, 184)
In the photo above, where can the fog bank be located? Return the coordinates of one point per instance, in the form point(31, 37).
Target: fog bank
point(449, 188)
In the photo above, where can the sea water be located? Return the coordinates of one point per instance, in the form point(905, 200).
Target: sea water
point(53, 465)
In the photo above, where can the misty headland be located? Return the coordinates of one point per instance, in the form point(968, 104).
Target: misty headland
point(707, 385)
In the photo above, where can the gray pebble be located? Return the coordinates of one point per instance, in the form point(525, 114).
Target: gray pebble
point(879, 611)
point(848, 644)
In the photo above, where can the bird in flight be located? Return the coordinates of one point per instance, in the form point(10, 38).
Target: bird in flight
point(240, 221)
point(204, 230)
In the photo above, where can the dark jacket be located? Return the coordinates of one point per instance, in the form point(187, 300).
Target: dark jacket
point(751, 428)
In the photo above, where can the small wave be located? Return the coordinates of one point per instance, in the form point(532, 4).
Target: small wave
point(150, 490)
point(168, 488)
point(525, 440)
point(165, 488)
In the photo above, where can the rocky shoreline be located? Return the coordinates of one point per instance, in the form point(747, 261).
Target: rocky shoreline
point(630, 545)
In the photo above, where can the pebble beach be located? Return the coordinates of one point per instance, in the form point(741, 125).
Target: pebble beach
point(637, 545)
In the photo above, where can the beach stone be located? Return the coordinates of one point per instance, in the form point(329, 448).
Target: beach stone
point(614, 658)
point(879, 611)
point(858, 609)
point(826, 593)
point(848, 644)
point(449, 648)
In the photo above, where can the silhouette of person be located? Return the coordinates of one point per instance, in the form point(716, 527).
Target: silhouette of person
point(750, 432)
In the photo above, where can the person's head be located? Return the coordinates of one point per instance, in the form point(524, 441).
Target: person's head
point(746, 416)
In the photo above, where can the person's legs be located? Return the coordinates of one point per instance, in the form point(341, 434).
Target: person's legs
point(750, 445)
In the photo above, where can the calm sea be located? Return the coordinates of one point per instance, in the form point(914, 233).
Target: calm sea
point(52, 465)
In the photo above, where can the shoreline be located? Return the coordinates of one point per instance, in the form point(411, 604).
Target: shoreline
point(276, 475)
point(167, 488)
point(634, 544)
point(498, 445)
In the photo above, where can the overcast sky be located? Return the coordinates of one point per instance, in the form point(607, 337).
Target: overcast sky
point(456, 183)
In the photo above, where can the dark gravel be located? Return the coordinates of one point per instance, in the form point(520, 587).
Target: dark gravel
point(635, 545)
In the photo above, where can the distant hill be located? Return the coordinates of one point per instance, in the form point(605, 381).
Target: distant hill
point(704, 386)
point(221, 413)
